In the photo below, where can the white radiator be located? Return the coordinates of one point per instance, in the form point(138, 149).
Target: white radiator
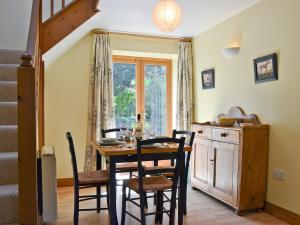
point(49, 188)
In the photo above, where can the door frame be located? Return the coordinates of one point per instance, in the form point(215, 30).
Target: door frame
point(140, 63)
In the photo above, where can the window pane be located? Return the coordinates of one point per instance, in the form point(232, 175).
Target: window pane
point(155, 99)
point(124, 81)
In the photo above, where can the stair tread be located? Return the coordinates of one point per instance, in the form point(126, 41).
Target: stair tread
point(8, 168)
point(8, 113)
point(9, 189)
point(8, 155)
point(9, 201)
point(2, 82)
point(10, 56)
point(9, 65)
point(8, 127)
point(8, 91)
point(9, 196)
point(8, 72)
point(8, 138)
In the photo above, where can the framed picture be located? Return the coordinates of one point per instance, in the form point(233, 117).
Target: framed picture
point(265, 68)
point(208, 79)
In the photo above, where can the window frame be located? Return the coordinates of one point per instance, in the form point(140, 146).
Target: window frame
point(140, 63)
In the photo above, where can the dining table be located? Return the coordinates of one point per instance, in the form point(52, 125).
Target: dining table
point(123, 153)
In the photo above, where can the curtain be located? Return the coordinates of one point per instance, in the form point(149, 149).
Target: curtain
point(100, 102)
point(184, 106)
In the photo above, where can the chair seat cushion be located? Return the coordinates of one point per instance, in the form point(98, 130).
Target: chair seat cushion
point(93, 177)
point(154, 183)
point(123, 167)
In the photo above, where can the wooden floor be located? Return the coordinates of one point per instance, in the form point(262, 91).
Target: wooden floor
point(202, 210)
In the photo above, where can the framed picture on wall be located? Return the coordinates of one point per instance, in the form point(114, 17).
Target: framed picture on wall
point(265, 68)
point(208, 79)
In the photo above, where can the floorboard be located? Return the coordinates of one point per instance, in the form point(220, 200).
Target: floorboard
point(202, 210)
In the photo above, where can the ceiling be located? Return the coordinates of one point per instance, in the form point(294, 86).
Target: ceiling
point(135, 16)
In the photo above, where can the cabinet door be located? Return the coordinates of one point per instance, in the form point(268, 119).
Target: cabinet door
point(200, 164)
point(224, 172)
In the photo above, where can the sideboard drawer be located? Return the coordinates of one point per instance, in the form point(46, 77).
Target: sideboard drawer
point(226, 135)
point(202, 131)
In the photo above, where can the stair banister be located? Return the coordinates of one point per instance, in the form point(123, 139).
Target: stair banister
point(28, 74)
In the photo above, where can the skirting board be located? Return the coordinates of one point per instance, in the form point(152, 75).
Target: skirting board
point(283, 214)
point(276, 211)
point(65, 182)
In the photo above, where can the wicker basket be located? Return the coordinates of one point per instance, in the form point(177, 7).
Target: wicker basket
point(227, 122)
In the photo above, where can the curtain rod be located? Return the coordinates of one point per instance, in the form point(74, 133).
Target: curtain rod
point(99, 31)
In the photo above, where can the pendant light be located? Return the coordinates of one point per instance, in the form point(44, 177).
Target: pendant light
point(167, 15)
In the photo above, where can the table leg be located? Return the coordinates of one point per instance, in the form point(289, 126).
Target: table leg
point(181, 192)
point(98, 161)
point(186, 174)
point(112, 190)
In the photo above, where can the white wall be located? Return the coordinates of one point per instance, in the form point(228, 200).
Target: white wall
point(14, 23)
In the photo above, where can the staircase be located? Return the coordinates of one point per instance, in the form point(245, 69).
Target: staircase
point(9, 61)
point(21, 124)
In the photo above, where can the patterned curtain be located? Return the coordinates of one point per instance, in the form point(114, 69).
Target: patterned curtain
point(101, 104)
point(184, 107)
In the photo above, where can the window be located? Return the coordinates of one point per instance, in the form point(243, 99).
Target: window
point(143, 86)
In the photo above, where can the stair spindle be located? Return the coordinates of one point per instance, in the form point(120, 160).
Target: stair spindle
point(52, 8)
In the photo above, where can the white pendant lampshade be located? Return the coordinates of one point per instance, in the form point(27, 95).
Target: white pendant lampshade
point(167, 15)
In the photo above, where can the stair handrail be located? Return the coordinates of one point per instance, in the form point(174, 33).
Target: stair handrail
point(28, 58)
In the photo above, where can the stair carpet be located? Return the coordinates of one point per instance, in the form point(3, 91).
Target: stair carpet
point(9, 60)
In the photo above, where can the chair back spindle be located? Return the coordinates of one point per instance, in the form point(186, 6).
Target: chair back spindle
point(178, 156)
point(189, 140)
point(112, 130)
point(73, 158)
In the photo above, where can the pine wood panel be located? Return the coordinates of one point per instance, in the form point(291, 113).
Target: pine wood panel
point(117, 150)
point(200, 163)
point(202, 210)
point(63, 23)
point(27, 146)
point(224, 171)
point(238, 179)
point(28, 74)
point(254, 169)
point(226, 135)
point(202, 131)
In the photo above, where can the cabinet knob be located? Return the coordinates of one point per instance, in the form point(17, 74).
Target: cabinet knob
point(200, 131)
point(223, 134)
point(212, 161)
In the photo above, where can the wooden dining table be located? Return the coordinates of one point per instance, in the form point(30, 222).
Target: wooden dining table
point(128, 153)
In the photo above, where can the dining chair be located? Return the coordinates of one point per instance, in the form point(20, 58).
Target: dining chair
point(92, 179)
point(130, 167)
point(121, 167)
point(147, 182)
point(189, 140)
point(112, 130)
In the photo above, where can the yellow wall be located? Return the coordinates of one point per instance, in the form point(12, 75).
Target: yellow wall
point(66, 92)
point(270, 26)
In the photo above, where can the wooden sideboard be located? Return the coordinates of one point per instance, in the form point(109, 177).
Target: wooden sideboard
point(231, 164)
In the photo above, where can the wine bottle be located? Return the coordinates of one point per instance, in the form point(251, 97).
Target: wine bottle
point(138, 129)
